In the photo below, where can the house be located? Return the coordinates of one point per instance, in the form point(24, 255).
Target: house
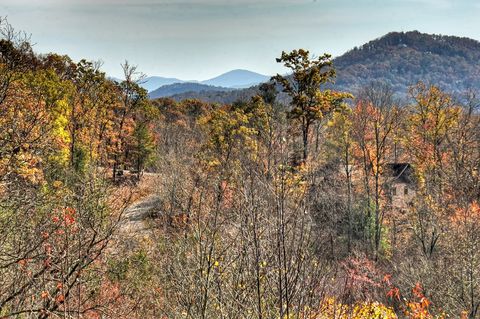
point(401, 184)
point(398, 180)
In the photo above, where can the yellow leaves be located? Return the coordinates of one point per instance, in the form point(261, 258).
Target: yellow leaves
point(57, 184)
point(294, 178)
point(331, 308)
point(213, 163)
point(432, 117)
point(233, 132)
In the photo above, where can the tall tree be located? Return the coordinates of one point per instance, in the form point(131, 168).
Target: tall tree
point(309, 102)
point(432, 118)
point(133, 98)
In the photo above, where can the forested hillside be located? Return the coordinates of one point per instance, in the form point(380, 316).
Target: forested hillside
point(400, 59)
point(332, 205)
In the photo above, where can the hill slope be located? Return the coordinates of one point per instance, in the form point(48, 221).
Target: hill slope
point(401, 60)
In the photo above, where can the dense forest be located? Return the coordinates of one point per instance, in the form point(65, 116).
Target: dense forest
point(334, 205)
point(403, 58)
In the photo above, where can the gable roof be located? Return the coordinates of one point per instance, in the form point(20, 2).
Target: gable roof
point(400, 172)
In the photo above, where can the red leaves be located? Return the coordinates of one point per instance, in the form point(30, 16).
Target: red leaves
point(66, 217)
point(69, 218)
point(363, 277)
point(65, 223)
point(48, 248)
point(394, 293)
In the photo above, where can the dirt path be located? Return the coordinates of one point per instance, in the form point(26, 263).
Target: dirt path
point(135, 224)
point(135, 216)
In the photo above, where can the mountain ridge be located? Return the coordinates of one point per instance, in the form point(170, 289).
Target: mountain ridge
point(233, 79)
point(399, 59)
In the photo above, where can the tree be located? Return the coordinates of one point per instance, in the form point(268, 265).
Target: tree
point(432, 118)
point(342, 142)
point(133, 99)
point(309, 102)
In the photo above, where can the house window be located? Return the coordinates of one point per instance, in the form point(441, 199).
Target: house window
point(405, 190)
point(394, 191)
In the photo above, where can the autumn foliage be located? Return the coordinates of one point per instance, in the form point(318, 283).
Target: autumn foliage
point(333, 205)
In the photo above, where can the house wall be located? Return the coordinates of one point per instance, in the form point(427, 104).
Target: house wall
point(400, 200)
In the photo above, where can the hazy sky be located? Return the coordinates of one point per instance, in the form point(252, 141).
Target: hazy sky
point(199, 39)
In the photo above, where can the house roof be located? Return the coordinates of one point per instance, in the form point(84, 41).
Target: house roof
point(401, 172)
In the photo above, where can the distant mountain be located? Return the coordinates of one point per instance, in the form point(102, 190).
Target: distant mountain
point(183, 88)
point(237, 79)
point(399, 59)
point(154, 82)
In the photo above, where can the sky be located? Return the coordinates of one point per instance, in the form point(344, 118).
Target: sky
point(200, 39)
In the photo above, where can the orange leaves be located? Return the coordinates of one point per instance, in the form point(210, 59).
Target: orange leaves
point(374, 129)
point(387, 278)
point(60, 298)
point(64, 223)
point(464, 216)
point(432, 118)
point(393, 292)
point(418, 308)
